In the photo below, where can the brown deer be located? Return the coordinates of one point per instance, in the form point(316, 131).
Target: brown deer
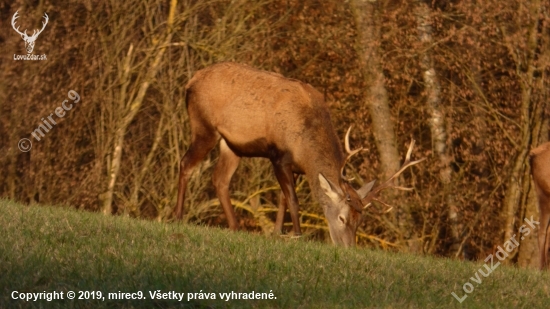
point(540, 169)
point(253, 113)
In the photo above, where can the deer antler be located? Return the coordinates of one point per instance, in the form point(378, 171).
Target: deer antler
point(44, 23)
point(13, 24)
point(373, 194)
point(350, 154)
point(34, 33)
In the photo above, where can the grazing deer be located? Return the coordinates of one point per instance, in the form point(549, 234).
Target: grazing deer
point(540, 169)
point(253, 113)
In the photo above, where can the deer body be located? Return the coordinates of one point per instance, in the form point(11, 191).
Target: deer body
point(540, 170)
point(254, 113)
point(267, 116)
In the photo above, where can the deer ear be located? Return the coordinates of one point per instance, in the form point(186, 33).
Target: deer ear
point(365, 189)
point(328, 188)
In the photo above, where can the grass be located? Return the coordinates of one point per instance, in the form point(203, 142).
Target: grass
point(45, 249)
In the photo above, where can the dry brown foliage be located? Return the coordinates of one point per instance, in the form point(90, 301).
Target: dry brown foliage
point(492, 60)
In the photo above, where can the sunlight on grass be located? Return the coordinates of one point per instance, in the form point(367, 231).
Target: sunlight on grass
point(46, 249)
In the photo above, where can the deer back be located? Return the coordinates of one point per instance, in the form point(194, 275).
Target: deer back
point(264, 114)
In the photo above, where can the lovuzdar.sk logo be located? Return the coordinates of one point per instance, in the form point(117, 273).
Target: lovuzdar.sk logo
point(29, 40)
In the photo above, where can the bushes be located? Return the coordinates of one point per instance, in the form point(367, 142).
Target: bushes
point(482, 62)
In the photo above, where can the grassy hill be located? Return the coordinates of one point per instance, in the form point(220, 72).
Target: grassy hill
point(46, 249)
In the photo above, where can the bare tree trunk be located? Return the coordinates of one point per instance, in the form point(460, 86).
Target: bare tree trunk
point(513, 197)
point(527, 254)
point(131, 110)
point(377, 96)
point(437, 117)
point(378, 102)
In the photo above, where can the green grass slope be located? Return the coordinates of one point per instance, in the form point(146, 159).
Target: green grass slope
point(47, 249)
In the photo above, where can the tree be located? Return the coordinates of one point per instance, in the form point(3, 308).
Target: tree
point(368, 27)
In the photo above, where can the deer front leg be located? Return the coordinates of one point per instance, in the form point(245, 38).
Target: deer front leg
point(286, 181)
point(281, 209)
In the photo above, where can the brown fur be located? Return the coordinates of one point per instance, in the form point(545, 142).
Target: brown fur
point(261, 114)
point(540, 170)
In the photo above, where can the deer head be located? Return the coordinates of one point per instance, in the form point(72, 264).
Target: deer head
point(347, 204)
point(343, 211)
point(29, 40)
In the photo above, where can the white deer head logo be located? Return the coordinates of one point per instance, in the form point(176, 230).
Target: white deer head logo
point(29, 40)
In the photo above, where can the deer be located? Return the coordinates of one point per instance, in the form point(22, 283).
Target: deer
point(540, 172)
point(254, 113)
point(29, 40)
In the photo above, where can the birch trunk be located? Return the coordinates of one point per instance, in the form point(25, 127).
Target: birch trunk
point(437, 121)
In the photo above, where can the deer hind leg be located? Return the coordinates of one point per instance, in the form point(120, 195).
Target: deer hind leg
point(203, 140)
point(281, 211)
point(286, 181)
point(224, 170)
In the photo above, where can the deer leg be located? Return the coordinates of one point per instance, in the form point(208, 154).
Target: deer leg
point(226, 166)
point(286, 181)
point(547, 248)
point(544, 244)
point(201, 144)
point(281, 211)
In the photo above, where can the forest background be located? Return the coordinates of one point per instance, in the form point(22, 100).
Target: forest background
point(468, 80)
